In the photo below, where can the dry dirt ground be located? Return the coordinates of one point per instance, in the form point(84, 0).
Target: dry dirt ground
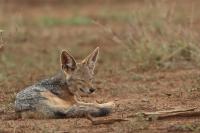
point(35, 33)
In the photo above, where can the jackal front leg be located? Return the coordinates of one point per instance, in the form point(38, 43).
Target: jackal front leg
point(80, 103)
point(103, 105)
point(81, 109)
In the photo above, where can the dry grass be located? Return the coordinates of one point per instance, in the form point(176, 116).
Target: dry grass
point(159, 36)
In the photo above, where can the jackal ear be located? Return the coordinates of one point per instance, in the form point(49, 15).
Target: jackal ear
point(91, 59)
point(68, 63)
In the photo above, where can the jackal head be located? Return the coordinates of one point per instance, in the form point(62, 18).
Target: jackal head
point(79, 75)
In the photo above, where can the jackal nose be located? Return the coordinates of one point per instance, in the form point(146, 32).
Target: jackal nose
point(92, 90)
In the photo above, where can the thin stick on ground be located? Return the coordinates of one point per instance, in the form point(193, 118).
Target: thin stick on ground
point(1, 40)
point(170, 113)
point(104, 121)
point(1, 47)
point(164, 112)
point(180, 114)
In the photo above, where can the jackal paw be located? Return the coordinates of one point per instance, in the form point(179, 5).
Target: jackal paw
point(110, 105)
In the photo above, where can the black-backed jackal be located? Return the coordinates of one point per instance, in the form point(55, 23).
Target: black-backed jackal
point(56, 97)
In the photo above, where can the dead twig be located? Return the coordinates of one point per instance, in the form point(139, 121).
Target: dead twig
point(1, 47)
point(180, 114)
point(169, 113)
point(1, 40)
point(173, 54)
point(164, 112)
point(104, 121)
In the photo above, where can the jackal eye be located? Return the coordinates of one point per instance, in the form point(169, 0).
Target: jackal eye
point(80, 81)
